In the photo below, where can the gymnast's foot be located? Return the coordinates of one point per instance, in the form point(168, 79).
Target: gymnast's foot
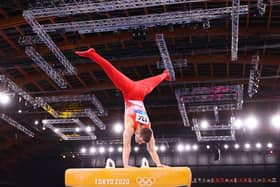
point(168, 76)
point(85, 53)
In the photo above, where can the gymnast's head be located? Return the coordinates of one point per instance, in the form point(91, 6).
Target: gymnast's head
point(144, 135)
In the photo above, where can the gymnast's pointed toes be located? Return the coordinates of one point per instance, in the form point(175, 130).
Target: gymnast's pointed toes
point(85, 53)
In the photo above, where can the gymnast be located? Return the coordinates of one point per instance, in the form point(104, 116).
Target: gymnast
point(136, 120)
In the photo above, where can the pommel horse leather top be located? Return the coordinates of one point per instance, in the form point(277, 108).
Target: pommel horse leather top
point(128, 177)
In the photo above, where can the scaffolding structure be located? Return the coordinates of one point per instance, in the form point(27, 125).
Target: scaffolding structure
point(235, 28)
point(78, 98)
point(41, 62)
point(199, 131)
point(15, 124)
point(165, 55)
point(35, 102)
point(49, 123)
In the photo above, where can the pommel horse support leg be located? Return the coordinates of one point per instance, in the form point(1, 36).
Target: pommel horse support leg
point(129, 177)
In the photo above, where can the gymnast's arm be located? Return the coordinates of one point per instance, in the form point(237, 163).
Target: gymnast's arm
point(153, 153)
point(127, 134)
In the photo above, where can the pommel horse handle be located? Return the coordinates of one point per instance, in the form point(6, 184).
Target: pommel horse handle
point(144, 163)
point(110, 163)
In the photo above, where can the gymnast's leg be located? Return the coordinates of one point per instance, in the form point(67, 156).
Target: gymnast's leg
point(150, 83)
point(120, 80)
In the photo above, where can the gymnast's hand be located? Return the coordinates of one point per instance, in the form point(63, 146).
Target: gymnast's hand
point(162, 166)
point(129, 166)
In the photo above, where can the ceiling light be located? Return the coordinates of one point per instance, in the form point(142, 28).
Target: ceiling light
point(56, 130)
point(92, 150)
point(19, 111)
point(77, 129)
point(180, 147)
point(269, 145)
point(156, 148)
point(4, 98)
point(251, 122)
point(63, 156)
point(247, 146)
point(237, 123)
point(43, 128)
point(207, 146)
point(101, 150)
point(236, 146)
point(118, 128)
point(88, 129)
point(258, 145)
point(136, 149)
point(119, 149)
point(275, 121)
point(111, 149)
point(195, 147)
point(36, 122)
point(226, 146)
point(204, 124)
point(187, 147)
point(162, 148)
point(83, 150)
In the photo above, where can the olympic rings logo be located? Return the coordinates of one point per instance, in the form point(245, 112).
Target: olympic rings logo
point(145, 181)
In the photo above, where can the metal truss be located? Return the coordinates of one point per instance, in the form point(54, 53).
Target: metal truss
point(49, 123)
point(79, 98)
point(261, 7)
point(38, 29)
point(35, 102)
point(254, 77)
point(150, 20)
point(206, 98)
point(104, 6)
point(182, 109)
point(41, 62)
point(177, 63)
point(165, 55)
point(206, 138)
point(15, 124)
point(91, 115)
point(235, 28)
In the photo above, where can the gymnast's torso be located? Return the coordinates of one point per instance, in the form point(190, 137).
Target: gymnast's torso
point(135, 109)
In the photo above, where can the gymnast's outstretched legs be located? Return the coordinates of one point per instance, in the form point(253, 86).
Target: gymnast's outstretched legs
point(120, 80)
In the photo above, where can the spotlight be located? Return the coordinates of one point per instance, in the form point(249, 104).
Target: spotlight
point(44, 121)
point(251, 122)
point(136, 149)
point(88, 129)
point(63, 156)
point(73, 156)
point(83, 150)
point(194, 147)
point(237, 123)
point(156, 148)
point(119, 149)
point(92, 150)
point(187, 147)
point(36, 122)
point(207, 146)
point(247, 146)
point(101, 150)
point(226, 146)
point(4, 98)
point(77, 129)
point(269, 145)
point(19, 111)
point(118, 128)
point(258, 145)
point(204, 124)
point(111, 149)
point(162, 148)
point(236, 146)
point(43, 128)
point(56, 130)
point(180, 147)
point(275, 121)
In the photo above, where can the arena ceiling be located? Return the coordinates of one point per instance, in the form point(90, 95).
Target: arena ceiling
point(202, 57)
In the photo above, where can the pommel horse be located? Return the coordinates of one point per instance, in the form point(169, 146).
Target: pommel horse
point(128, 177)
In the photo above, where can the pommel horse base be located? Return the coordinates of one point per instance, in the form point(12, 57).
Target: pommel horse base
point(129, 177)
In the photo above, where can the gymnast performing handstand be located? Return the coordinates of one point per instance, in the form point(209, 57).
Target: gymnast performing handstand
point(136, 120)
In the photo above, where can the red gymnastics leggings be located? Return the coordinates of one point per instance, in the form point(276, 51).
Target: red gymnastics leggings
point(131, 90)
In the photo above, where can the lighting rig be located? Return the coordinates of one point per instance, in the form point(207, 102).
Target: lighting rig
point(254, 77)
